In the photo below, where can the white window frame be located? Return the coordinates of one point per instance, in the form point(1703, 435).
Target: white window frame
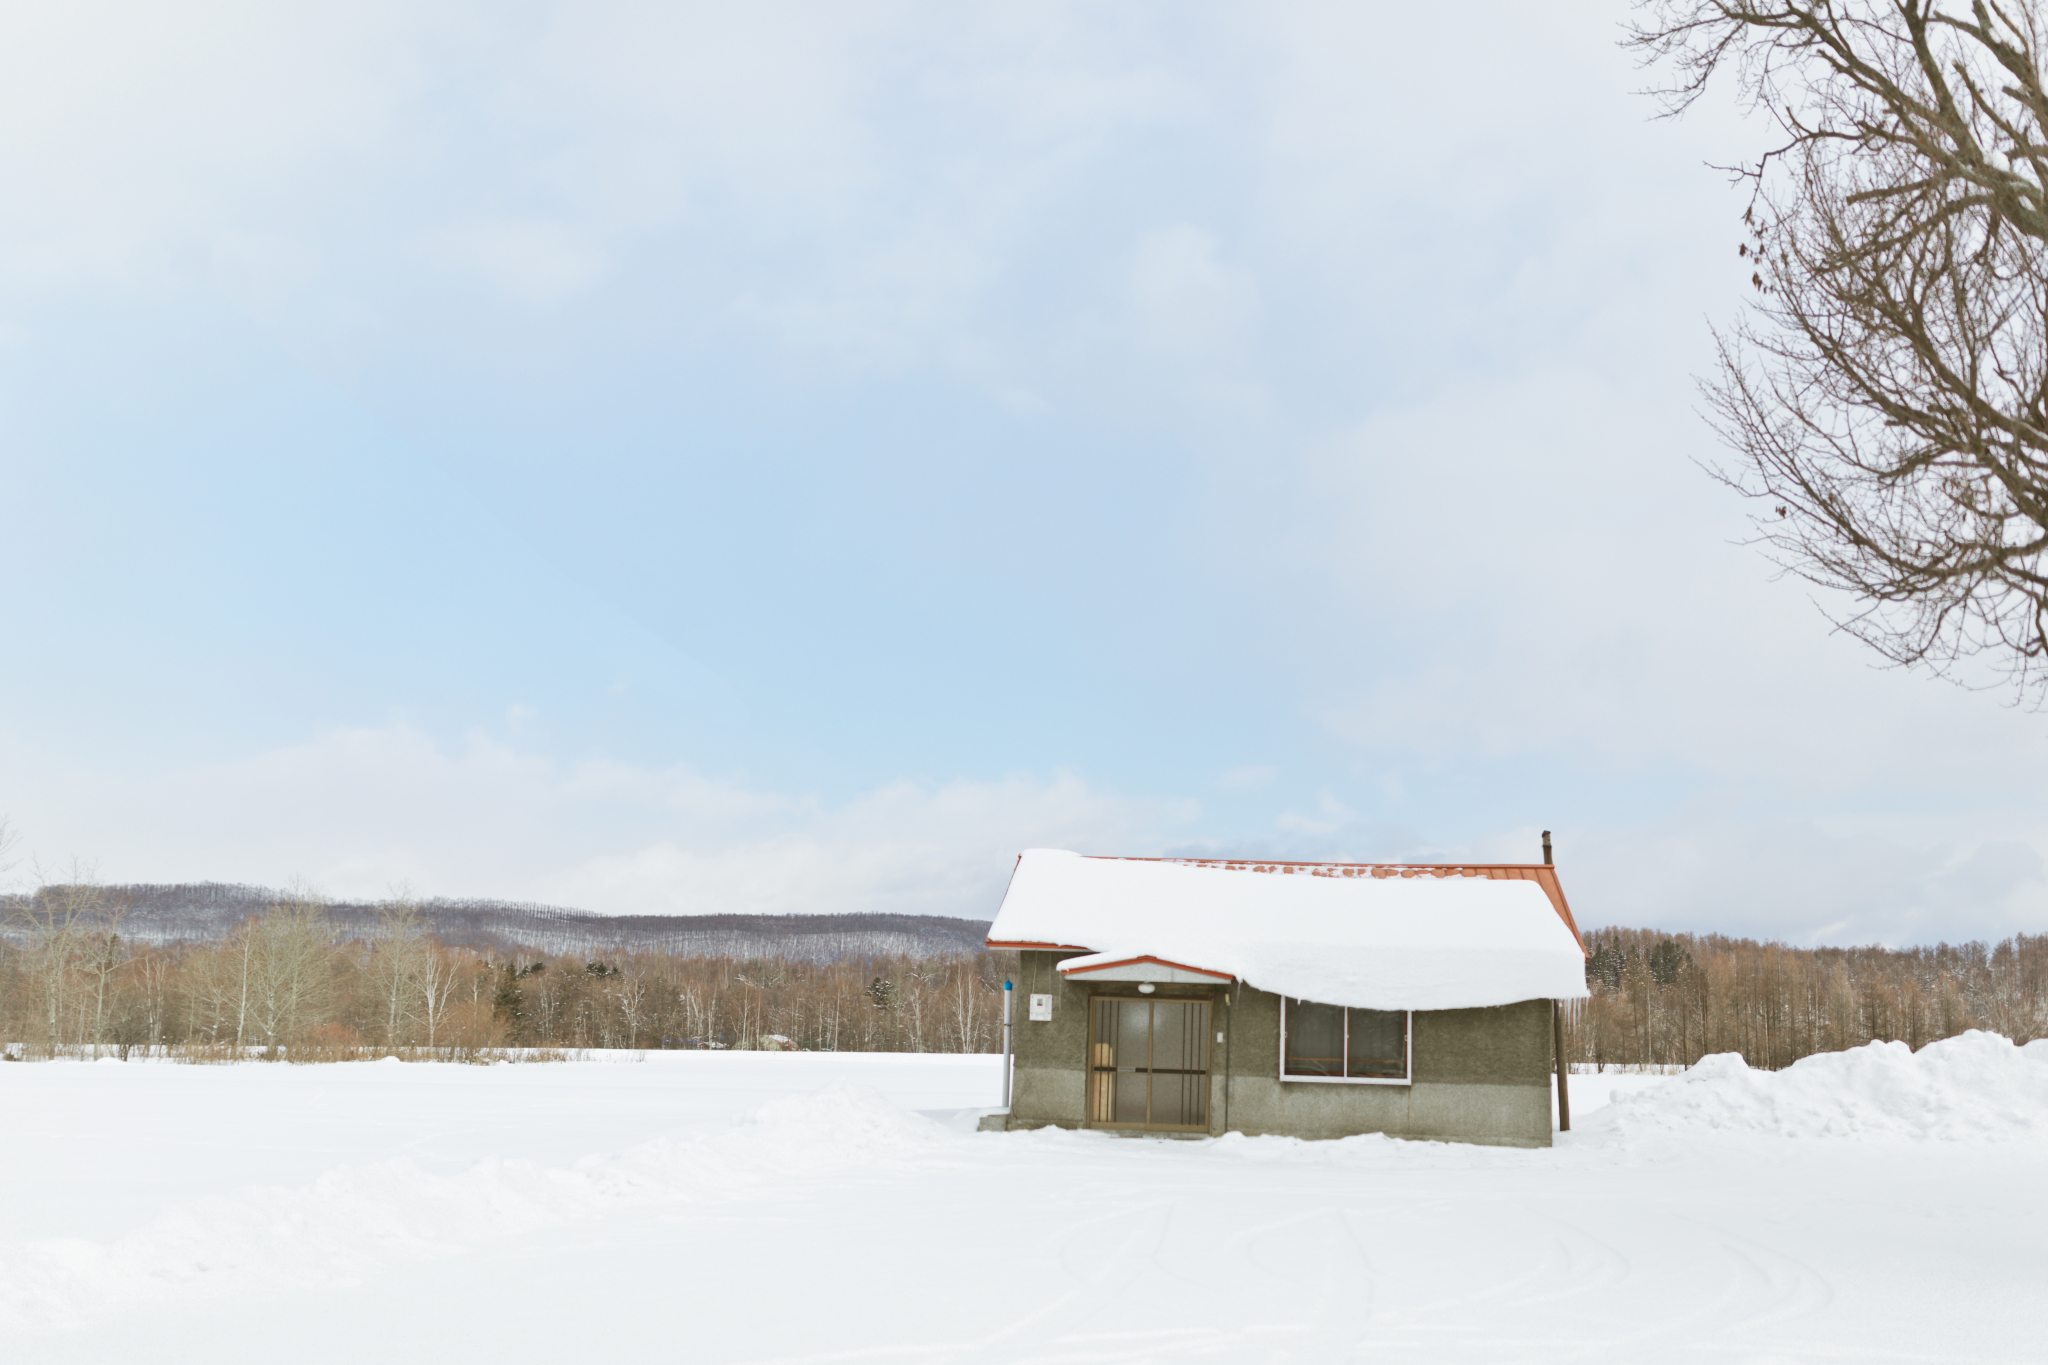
point(1407, 1053)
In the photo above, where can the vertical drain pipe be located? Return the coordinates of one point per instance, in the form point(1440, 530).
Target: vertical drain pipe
point(1007, 994)
point(1564, 1098)
point(1229, 1038)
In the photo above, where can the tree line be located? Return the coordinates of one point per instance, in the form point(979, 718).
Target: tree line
point(1670, 999)
point(284, 984)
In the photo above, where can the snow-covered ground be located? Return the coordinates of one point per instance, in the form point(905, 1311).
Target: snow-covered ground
point(755, 1207)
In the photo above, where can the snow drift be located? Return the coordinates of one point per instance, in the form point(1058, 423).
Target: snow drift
point(1422, 943)
point(354, 1218)
point(1972, 1088)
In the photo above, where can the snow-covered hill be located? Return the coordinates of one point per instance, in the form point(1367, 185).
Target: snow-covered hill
point(199, 912)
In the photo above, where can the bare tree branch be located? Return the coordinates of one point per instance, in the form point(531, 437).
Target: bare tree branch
point(1887, 400)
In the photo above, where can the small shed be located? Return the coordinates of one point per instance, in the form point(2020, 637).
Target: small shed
point(1315, 1000)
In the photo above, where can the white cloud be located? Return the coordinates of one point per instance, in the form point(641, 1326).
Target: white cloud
point(1531, 570)
point(1864, 879)
point(1187, 297)
point(131, 134)
point(532, 260)
point(1846, 880)
point(1331, 816)
point(355, 812)
point(1250, 777)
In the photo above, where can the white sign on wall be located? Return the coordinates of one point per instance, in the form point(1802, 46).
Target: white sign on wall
point(1041, 1009)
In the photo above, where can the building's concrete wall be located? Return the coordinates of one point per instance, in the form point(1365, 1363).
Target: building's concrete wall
point(1049, 1083)
point(1480, 1075)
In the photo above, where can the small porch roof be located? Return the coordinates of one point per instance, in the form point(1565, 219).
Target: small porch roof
point(1116, 967)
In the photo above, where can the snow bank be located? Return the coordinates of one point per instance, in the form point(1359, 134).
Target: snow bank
point(1423, 942)
point(839, 1124)
point(355, 1218)
point(1973, 1088)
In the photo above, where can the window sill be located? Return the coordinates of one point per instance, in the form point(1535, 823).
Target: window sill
point(1346, 1080)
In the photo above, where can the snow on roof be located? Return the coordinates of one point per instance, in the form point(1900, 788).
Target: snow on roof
point(1347, 934)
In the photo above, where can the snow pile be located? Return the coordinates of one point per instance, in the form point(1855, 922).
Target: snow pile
point(841, 1124)
point(1423, 942)
point(342, 1225)
point(1973, 1088)
point(353, 1219)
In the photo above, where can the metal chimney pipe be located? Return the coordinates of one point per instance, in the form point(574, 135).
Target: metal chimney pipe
point(1546, 848)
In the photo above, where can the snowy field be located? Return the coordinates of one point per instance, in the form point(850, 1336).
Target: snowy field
point(756, 1207)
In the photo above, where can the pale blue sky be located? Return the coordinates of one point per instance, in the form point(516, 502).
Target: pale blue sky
point(792, 457)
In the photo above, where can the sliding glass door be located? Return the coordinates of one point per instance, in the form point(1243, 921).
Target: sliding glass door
point(1148, 1063)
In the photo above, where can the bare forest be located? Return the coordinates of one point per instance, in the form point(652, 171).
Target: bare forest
point(291, 982)
point(1670, 999)
point(285, 984)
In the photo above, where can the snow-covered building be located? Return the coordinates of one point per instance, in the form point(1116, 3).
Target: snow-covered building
point(1307, 999)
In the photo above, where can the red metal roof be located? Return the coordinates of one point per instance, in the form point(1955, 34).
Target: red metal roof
point(1543, 874)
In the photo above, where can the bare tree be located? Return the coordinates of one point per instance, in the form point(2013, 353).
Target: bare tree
point(103, 954)
point(155, 984)
point(10, 839)
point(629, 992)
point(440, 976)
point(61, 921)
point(402, 957)
point(284, 955)
point(1887, 401)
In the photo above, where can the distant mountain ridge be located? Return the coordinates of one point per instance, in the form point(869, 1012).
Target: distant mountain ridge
point(207, 912)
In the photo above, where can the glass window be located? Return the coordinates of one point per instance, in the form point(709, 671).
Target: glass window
point(1330, 1042)
point(1378, 1044)
point(1315, 1039)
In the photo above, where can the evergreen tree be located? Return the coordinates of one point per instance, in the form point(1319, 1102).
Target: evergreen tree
point(1667, 961)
